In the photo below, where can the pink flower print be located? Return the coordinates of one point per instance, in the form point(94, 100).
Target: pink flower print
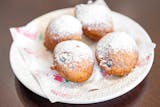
point(58, 78)
point(29, 51)
point(61, 94)
point(27, 32)
point(148, 57)
point(143, 61)
point(104, 74)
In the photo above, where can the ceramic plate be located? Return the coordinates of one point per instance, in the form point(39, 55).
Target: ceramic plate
point(114, 87)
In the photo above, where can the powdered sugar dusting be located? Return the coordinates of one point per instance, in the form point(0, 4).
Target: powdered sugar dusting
point(116, 41)
point(72, 51)
point(65, 25)
point(94, 15)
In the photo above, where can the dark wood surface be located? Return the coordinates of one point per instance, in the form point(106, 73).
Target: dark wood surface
point(20, 12)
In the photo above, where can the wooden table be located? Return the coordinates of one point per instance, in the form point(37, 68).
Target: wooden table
point(20, 12)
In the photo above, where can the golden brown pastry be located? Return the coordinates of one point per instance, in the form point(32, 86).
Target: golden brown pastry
point(117, 53)
point(73, 60)
point(95, 18)
point(62, 28)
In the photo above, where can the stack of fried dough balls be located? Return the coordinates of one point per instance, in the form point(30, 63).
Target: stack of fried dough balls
point(116, 52)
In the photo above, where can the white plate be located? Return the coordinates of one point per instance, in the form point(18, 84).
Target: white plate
point(120, 20)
